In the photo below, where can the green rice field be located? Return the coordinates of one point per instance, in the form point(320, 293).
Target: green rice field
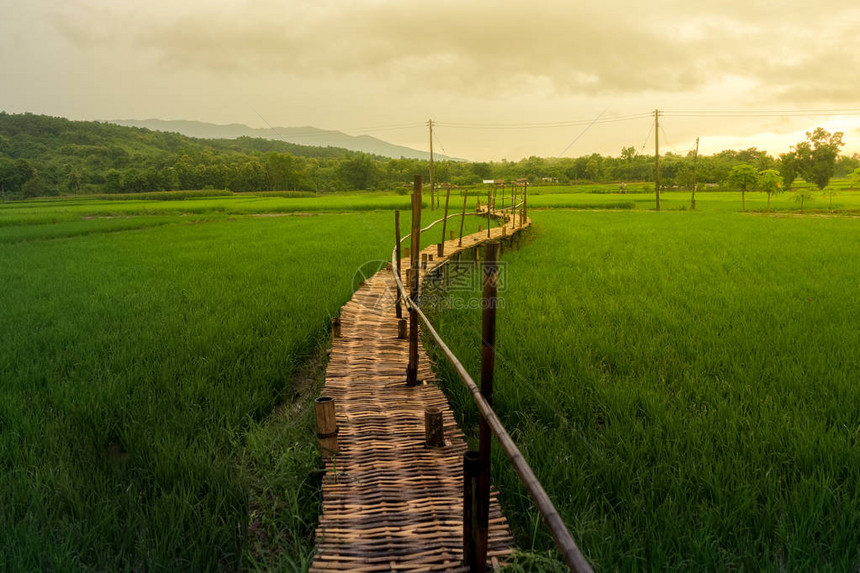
point(143, 361)
point(684, 383)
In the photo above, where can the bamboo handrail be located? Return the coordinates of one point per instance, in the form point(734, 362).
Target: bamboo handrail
point(564, 540)
point(451, 216)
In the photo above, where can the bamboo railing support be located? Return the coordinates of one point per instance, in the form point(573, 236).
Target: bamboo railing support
point(412, 367)
point(397, 307)
point(471, 463)
point(488, 360)
point(445, 221)
point(463, 216)
point(326, 426)
point(434, 432)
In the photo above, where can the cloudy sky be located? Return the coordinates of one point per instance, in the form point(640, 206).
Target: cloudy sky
point(502, 79)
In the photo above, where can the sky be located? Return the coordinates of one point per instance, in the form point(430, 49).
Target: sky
point(500, 79)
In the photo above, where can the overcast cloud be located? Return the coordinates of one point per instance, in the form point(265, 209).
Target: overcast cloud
point(340, 65)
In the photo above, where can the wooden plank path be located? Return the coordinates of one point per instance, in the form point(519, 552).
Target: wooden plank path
point(390, 503)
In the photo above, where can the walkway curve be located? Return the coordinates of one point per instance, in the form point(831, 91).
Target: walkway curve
point(389, 503)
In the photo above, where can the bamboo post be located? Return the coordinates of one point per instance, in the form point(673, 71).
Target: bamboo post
point(423, 261)
point(398, 309)
point(488, 360)
point(451, 234)
point(513, 208)
point(335, 327)
point(463, 216)
point(326, 426)
point(471, 462)
point(401, 328)
point(445, 221)
point(489, 194)
point(440, 248)
point(434, 432)
point(412, 367)
point(525, 202)
point(406, 252)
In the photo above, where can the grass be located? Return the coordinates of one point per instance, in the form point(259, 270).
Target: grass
point(196, 204)
point(689, 401)
point(153, 410)
point(684, 386)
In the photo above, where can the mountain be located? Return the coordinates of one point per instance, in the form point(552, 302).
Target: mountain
point(301, 135)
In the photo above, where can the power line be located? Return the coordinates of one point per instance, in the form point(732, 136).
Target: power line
point(439, 141)
point(581, 133)
point(647, 137)
point(763, 113)
point(666, 139)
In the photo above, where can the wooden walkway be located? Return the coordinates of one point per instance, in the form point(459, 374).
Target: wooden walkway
point(389, 503)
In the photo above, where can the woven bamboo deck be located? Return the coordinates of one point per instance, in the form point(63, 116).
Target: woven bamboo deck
point(389, 503)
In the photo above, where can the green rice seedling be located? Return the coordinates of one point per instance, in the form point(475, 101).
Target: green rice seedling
point(684, 386)
point(147, 363)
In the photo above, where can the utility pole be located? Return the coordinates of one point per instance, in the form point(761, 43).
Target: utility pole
point(432, 178)
point(657, 155)
point(695, 176)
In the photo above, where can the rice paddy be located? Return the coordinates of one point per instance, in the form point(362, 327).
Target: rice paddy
point(684, 386)
point(683, 383)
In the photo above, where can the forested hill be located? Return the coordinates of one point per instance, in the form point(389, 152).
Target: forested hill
point(42, 155)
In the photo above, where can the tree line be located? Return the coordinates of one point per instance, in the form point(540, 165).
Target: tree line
point(41, 155)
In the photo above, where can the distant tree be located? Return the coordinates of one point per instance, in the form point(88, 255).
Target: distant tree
point(133, 181)
point(186, 172)
point(113, 181)
point(360, 172)
point(284, 171)
point(482, 170)
point(817, 155)
point(592, 167)
point(628, 153)
point(770, 182)
point(788, 168)
point(743, 177)
point(249, 176)
point(685, 176)
point(803, 194)
point(855, 178)
point(14, 174)
point(34, 187)
point(830, 191)
point(169, 179)
point(845, 164)
point(74, 178)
